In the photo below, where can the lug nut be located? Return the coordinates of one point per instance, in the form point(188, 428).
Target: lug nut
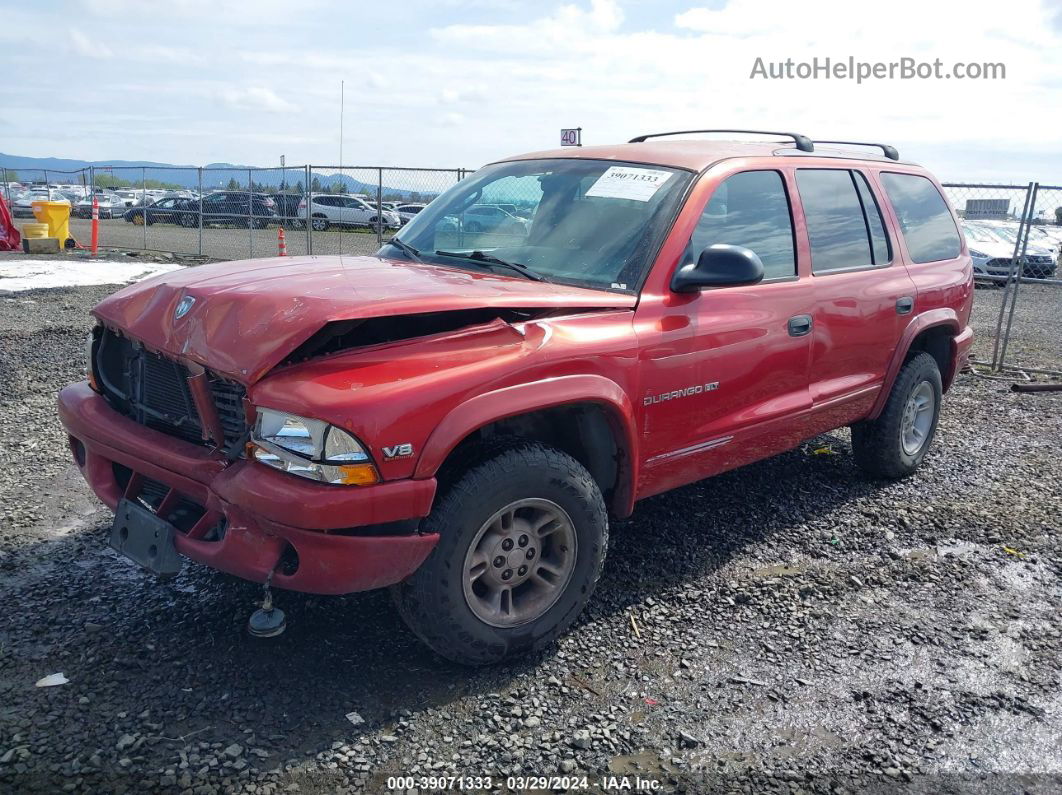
point(523, 540)
point(522, 571)
point(499, 561)
point(507, 574)
point(507, 544)
point(530, 554)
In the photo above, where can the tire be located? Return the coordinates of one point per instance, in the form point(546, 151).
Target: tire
point(437, 601)
point(319, 224)
point(188, 221)
point(138, 219)
point(885, 447)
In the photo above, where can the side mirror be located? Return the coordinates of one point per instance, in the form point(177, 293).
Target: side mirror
point(719, 265)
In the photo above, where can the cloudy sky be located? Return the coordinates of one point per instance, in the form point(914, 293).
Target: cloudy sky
point(460, 82)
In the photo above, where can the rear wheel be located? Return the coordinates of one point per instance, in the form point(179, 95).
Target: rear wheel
point(894, 444)
point(138, 219)
point(522, 538)
point(188, 221)
point(319, 224)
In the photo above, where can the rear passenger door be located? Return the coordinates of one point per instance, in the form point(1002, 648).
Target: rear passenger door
point(863, 294)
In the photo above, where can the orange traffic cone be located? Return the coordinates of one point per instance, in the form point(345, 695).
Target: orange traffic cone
point(282, 248)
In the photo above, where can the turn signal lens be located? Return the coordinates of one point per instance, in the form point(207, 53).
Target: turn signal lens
point(358, 475)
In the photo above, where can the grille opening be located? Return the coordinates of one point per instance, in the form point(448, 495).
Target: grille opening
point(153, 390)
point(184, 512)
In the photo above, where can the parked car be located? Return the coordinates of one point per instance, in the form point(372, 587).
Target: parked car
point(461, 423)
point(23, 205)
point(173, 210)
point(288, 208)
point(989, 253)
point(238, 208)
point(111, 206)
point(493, 218)
point(333, 209)
point(407, 212)
point(1039, 262)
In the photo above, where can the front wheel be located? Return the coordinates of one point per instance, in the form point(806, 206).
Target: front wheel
point(319, 224)
point(894, 444)
point(522, 540)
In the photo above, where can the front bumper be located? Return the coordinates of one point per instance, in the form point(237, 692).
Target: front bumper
point(266, 514)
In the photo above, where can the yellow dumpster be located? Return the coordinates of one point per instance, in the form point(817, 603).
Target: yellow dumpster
point(57, 216)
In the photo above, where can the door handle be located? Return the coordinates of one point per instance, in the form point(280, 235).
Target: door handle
point(904, 305)
point(799, 325)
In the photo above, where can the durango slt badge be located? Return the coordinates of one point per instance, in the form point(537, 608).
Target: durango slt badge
point(696, 389)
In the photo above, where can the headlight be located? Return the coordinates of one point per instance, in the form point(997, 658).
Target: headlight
point(978, 254)
point(311, 449)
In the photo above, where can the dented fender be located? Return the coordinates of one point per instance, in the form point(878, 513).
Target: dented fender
point(511, 401)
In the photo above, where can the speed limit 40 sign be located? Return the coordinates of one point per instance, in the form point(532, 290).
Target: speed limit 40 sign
point(572, 136)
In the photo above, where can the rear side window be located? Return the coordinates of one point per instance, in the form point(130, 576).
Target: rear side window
point(751, 209)
point(925, 221)
point(844, 225)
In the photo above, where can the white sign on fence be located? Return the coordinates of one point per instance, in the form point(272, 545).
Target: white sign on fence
point(572, 137)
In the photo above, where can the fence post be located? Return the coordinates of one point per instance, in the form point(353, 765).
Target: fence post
point(1024, 226)
point(379, 207)
point(143, 201)
point(200, 170)
point(7, 190)
point(250, 217)
point(309, 201)
point(997, 362)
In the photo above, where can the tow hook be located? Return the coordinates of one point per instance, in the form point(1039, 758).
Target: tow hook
point(267, 621)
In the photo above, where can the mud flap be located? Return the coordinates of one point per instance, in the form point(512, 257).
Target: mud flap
point(144, 538)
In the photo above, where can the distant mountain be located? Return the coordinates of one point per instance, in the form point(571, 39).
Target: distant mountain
point(215, 175)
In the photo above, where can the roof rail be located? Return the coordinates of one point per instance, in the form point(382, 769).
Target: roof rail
point(890, 151)
point(803, 143)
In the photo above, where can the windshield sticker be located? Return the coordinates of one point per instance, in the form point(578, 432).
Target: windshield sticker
point(625, 182)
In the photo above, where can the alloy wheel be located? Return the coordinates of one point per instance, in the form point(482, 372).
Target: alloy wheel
point(519, 562)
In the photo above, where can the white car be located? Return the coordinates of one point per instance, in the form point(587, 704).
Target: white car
point(407, 212)
point(335, 209)
point(1041, 254)
point(23, 205)
point(992, 253)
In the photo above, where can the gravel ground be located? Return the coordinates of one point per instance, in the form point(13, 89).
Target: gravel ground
point(787, 627)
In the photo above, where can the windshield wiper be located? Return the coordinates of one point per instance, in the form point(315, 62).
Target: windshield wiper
point(490, 259)
point(405, 248)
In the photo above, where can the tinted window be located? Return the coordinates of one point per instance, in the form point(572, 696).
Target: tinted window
point(751, 209)
point(879, 238)
point(925, 221)
point(836, 225)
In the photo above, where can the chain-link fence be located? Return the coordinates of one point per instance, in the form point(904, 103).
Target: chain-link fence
point(234, 213)
point(1014, 234)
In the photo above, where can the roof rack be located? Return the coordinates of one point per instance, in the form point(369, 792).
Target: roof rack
point(890, 151)
point(803, 143)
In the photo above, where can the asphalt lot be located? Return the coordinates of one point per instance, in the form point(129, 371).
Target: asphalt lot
point(787, 627)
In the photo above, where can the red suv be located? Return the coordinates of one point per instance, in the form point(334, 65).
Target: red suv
point(458, 416)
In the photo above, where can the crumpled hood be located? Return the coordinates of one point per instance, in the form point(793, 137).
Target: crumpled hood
point(247, 316)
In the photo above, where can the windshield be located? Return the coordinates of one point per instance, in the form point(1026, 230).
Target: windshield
point(591, 223)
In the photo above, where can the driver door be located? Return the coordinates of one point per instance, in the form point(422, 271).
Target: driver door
point(726, 369)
